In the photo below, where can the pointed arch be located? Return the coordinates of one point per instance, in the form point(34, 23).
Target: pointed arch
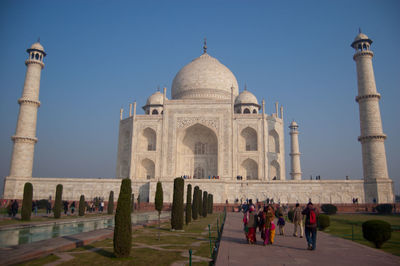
point(149, 139)
point(248, 139)
point(274, 171)
point(147, 169)
point(249, 169)
point(273, 141)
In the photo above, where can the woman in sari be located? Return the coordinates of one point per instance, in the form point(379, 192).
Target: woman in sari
point(268, 226)
point(252, 225)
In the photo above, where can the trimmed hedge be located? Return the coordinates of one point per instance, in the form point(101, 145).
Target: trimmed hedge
point(195, 208)
point(110, 206)
point(377, 232)
point(82, 205)
point(159, 199)
point(123, 225)
point(323, 221)
point(384, 208)
point(188, 204)
point(205, 204)
point(329, 208)
point(27, 202)
point(177, 204)
point(210, 203)
point(57, 204)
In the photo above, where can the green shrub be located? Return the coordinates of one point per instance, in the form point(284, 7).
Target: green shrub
point(27, 202)
point(323, 221)
point(188, 204)
point(200, 203)
point(384, 208)
point(195, 208)
point(377, 232)
point(329, 208)
point(82, 205)
point(177, 204)
point(205, 205)
point(57, 204)
point(110, 206)
point(290, 215)
point(210, 203)
point(123, 225)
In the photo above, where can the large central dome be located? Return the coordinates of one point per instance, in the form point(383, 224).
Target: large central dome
point(204, 78)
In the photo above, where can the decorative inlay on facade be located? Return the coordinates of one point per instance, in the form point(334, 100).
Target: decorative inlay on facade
point(187, 122)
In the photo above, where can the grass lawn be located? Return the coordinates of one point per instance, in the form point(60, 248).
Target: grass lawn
point(173, 246)
point(342, 224)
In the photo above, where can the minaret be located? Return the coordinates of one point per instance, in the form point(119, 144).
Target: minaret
point(372, 137)
point(25, 134)
point(294, 152)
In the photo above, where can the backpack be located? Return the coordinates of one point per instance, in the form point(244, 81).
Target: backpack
point(313, 218)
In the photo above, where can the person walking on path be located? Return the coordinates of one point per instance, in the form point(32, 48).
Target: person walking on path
point(298, 221)
point(65, 207)
point(14, 208)
point(72, 207)
point(281, 224)
point(267, 225)
point(252, 225)
point(48, 207)
point(311, 225)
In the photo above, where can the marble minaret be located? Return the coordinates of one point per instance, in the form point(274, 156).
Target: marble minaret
point(25, 134)
point(371, 136)
point(294, 152)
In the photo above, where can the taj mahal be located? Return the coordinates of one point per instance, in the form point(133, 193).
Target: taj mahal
point(214, 136)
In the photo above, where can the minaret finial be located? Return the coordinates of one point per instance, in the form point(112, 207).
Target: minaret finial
point(205, 46)
point(245, 87)
point(359, 29)
point(38, 40)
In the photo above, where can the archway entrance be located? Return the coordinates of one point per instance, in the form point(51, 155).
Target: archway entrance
point(197, 152)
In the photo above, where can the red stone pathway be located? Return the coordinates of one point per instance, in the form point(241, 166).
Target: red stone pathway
point(289, 250)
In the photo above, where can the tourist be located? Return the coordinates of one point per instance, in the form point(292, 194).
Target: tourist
point(65, 207)
point(268, 226)
point(298, 221)
point(281, 224)
point(72, 207)
point(245, 222)
point(252, 225)
point(48, 207)
point(14, 208)
point(34, 207)
point(311, 226)
point(9, 208)
point(101, 206)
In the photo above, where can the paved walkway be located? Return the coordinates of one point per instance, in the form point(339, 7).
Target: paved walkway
point(289, 250)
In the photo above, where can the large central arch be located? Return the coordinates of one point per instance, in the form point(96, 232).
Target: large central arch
point(197, 152)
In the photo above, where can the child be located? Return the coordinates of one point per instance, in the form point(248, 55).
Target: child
point(281, 224)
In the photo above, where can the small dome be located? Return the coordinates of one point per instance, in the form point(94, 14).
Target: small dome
point(156, 98)
point(361, 36)
point(246, 97)
point(293, 124)
point(37, 46)
point(204, 78)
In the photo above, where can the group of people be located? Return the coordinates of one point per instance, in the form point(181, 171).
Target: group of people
point(264, 220)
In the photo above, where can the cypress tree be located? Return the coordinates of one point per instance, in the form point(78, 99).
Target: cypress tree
point(177, 204)
point(209, 206)
point(205, 206)
point(82, 205)
point(123, 224)
point(189, 204)
point(200, 202)
point(195, 211)
point(110, 206)
point(212, 204)
point(57, 203)
point(27, 202)
point(159, 200)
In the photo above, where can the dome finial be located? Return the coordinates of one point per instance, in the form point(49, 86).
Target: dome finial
point(38, 40)
point(245, 87)
point(205, 46)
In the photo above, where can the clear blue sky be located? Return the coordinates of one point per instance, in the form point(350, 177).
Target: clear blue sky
point(103, 55)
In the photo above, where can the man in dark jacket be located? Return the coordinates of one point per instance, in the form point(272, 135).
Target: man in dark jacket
point(311, 225)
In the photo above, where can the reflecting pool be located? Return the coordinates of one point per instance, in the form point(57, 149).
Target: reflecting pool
point(37, 232)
